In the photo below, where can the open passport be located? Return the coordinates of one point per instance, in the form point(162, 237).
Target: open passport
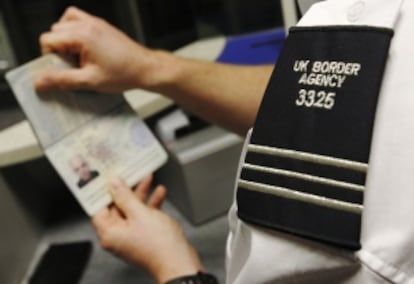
point(88, 137)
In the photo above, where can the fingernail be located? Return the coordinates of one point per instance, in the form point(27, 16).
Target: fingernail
point(41, 84)
point(38, 84)
point(110, 188)
point(116, 184)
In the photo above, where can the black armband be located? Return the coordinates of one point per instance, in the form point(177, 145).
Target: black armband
point(199, 278)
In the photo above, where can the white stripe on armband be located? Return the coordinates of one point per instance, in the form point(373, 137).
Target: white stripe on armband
point(305, 177)
point(300, 196)
point(309, 157)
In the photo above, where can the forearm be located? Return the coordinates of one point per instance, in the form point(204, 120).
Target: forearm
point(226, 95)
point(110, 61)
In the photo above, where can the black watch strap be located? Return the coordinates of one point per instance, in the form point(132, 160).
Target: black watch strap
point(199, 278)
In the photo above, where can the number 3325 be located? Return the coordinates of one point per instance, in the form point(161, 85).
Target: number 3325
point(320, 99)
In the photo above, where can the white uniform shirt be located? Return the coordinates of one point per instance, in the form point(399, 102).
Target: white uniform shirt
point(258, 255)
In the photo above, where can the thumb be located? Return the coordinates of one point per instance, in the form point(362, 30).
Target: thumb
point(66, 79)
point(124, 198)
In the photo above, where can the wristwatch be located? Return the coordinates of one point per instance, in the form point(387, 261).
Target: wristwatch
point(199, 278)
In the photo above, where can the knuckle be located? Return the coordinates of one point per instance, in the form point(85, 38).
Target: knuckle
point(88, 30)
point(54, 27)
point(105, 241)
point(82, 81)
point(71, 10)
point(105, 245)
point(86, 80)
point(103, 238)
point(99, 21)
point(43, 38)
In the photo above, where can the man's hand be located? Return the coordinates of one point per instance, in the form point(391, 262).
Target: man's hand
point(143, 235)
point(109, 61)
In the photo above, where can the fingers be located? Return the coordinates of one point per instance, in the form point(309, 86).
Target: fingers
point(99, 220)
point(60, 41)
point(107, 228)
point(73, 13)
point(67, 79)
point(141, 190)
point(64, 26)
point(66, 36)
point(124, 198)
point(157, 197)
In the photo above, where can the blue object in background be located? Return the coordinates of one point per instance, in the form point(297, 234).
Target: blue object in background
point(256, 48)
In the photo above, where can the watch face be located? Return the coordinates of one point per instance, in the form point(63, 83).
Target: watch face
point(140, 134)
point(200, 277)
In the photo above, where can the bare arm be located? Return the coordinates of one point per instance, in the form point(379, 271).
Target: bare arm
point(227, 95)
